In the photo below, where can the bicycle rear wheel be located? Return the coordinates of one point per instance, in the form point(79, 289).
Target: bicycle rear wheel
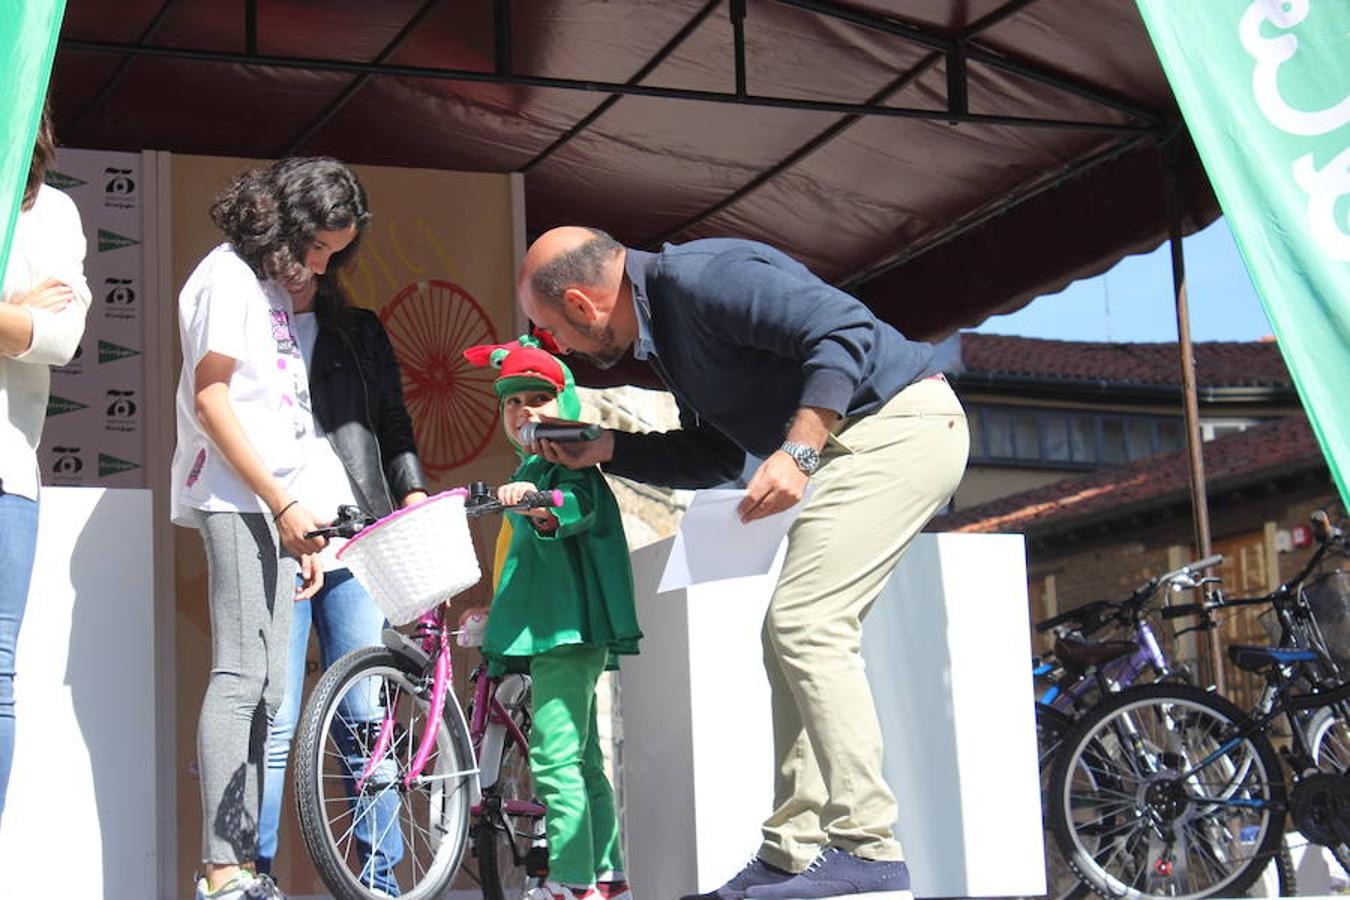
point(363, 830)
point(504, 832)
point(1176, 805)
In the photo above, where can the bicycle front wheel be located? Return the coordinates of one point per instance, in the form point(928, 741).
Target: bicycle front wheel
point(1154, 795)
point(366, 830)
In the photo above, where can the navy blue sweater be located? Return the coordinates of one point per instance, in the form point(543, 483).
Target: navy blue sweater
point(744, 336)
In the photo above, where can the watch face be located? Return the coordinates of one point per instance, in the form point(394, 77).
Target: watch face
point(807, 458)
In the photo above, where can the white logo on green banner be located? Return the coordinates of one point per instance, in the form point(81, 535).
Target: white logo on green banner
point(111, 465)
point(111, 240)
point(110, 352)
point(1264, 86)
point(61, 181)
point(58, 405)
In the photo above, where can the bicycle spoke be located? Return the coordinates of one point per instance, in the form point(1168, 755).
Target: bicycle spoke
point(425, 824)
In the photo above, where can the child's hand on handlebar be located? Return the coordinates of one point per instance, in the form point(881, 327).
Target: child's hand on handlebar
point(515, 492)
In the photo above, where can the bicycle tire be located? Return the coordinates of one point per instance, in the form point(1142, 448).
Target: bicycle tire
point(1174, 726)
point(1329, 737)
point(1061, 881)
point(501, 842)
point(443, 830)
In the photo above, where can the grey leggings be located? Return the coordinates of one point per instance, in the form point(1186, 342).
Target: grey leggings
point(251, 590)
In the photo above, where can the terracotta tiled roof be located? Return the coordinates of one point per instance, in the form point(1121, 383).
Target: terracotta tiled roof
point(1271, 446)
point(1217, 363)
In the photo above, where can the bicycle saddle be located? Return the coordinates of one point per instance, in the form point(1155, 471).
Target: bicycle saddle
point(1080, 654)
point(1255, 658)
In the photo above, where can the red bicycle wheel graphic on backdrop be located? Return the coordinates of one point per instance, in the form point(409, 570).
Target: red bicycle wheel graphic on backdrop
point(452, 405)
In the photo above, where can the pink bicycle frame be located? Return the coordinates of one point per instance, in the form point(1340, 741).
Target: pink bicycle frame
point(435, 639)
point(486, 710)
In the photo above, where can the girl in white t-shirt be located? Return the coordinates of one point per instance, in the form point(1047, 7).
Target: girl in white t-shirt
point(246, 432)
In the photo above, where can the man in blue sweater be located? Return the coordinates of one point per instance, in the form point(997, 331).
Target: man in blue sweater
point(765, 358)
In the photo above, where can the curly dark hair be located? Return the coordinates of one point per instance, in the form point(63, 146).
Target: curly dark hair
point(271, 214)
point(44, 154)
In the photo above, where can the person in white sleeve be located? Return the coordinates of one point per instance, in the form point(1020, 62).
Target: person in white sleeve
point(41, 321)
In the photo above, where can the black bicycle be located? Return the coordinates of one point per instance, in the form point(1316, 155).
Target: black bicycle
point(1170, 790)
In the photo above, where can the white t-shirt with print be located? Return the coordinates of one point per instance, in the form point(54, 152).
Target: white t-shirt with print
point(223, 308)
point(322, 485)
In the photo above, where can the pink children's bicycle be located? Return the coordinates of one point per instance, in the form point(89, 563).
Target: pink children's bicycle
point(393, 781)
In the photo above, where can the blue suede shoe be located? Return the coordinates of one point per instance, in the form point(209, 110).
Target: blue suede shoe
point(838, 874)
point(757, 873)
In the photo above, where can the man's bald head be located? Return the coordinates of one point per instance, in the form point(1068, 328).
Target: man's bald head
point(567, 257)
point(572, 285)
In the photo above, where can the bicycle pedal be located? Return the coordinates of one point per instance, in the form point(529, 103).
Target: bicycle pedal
point(536, 862)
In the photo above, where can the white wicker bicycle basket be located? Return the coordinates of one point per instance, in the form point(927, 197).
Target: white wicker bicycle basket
point(415, 558)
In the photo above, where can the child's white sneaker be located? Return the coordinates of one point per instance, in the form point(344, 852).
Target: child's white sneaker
point(616, 889)
point(243, 886)
point(552, 890)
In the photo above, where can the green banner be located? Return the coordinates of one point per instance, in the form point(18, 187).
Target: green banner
point(28, 32)
point(1264, 87)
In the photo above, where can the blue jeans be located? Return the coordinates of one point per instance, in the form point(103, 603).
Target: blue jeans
point(347, 619)
point(18, 545)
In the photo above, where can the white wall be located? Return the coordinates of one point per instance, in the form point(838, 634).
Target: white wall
point(80, 814)
point(947, 652)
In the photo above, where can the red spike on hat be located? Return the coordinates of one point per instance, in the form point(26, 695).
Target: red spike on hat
point(546, 340)
point(482, 354)
point(517, 361)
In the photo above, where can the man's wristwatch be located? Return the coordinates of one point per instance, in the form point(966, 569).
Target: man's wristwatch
point(805, 456)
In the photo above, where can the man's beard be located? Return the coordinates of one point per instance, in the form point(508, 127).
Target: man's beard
point(610, 354)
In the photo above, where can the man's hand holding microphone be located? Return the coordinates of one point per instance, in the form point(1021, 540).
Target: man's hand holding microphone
point(576, 445)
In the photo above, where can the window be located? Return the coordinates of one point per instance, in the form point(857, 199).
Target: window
point(1084, 439)
point(973, 422)
point(1170, 435)
point(1138, 438)
point(1026, 435)
point(998, 433)
point(1057, 439)
point(1217, 428)
point(1075, 439)
point(1113, 440)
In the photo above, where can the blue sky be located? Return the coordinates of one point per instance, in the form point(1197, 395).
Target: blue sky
point(1133, 301)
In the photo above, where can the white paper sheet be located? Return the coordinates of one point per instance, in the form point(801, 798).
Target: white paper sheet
point(712, 544)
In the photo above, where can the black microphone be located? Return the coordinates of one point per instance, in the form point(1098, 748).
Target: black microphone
point(532, 433)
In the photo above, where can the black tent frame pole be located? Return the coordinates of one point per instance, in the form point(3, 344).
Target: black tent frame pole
point(317, 64)
point(341, 100)
point(650, 66)
point(73, 127)
point(1190, 402)
point(944, 44)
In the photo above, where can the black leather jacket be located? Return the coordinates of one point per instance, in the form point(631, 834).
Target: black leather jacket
point(358, 401)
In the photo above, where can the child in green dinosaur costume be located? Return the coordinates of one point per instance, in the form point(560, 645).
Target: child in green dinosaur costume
point(563, 610)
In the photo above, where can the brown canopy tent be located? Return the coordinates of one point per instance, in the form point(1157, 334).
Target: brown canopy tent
point(945, 160)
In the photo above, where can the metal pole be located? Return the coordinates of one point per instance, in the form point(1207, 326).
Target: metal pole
point(1190, 402)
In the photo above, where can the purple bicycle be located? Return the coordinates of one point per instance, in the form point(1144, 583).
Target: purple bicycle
point(392, 779)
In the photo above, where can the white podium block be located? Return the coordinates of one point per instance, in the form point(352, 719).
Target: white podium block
point(947, 652)
point(79, 819)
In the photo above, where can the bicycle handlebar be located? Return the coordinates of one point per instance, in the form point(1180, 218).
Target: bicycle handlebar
point(1092, 616)
point(350, 520)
